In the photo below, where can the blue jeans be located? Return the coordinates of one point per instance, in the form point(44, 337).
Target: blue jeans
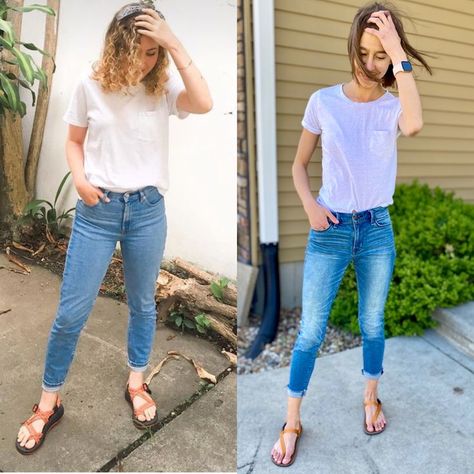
point(366, 238)
point(138, 221)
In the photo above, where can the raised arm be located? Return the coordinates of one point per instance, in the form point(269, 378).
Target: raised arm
point(196, 97)
point(411, 120)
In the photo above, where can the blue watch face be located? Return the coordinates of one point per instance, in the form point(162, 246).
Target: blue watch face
point(406, 65)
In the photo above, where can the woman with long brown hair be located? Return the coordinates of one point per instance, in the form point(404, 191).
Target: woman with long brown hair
point(121, 174)
point(359, 122)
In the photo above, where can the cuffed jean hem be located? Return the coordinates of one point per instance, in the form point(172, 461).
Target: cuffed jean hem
point(371, 376)
point(137, 369)
point(296, 394)
point(48, 388)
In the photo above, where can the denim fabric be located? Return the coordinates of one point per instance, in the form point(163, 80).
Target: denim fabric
point(138, 221)
point(367, 239)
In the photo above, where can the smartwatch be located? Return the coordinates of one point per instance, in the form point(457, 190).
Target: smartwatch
point(404, 66)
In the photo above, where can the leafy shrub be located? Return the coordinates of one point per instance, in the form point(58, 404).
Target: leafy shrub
point(434, 239)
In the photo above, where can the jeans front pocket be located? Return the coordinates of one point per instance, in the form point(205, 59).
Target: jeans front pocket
point(382, 218)
point(87, 205)
point(151, 195)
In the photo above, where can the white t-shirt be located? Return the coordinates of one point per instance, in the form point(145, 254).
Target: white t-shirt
point(127, 141)
point(359, 148)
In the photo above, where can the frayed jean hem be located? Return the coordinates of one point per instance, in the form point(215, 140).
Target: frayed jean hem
point(137, 369)
point(296, 394)
point(371, 376)
point(50, 389)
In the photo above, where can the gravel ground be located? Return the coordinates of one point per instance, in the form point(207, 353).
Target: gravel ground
point(278, 353)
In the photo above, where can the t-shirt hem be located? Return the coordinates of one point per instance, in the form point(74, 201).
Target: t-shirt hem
point(77, 123)
point(316, 131)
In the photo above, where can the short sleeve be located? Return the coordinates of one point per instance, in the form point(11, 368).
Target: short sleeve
point(76, 113)
point(310, 119)
point(173, 88)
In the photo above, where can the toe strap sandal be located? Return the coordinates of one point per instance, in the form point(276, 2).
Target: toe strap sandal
point(143, 392)
point(299, 432)
point(378, 403)
point(50, 418)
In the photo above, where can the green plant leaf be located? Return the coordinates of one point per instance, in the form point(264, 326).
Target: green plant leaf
point(6, 26)
point(33, 47)
point(178, 320)
point(216, 290)
point(25, 62)
point(11, 92)
point(35, 204)
point(35, 6)
point(27, 86)
point(223, 282)
point(188, 323)
point(61, 187)
point(5, 44)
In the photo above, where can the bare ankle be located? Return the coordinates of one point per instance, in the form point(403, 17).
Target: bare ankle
point(48, 400)
point(293, 420)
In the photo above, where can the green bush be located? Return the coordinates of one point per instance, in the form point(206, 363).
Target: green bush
point(434, 239)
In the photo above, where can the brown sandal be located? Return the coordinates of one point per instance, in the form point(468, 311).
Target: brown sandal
point(374, 418)
point(51, 418)
point(143, 392)
point(299, 432)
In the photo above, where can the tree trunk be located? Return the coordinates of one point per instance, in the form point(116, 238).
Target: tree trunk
point(42, 102)
point(13, 195)
point(17, 175)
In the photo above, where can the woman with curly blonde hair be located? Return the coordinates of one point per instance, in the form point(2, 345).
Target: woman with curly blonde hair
point(123, 106)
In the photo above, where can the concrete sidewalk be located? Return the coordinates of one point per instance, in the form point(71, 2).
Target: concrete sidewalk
point(97, 426)
point(427, 391)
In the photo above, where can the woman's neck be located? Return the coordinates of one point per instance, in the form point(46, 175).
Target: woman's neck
point(359, 93)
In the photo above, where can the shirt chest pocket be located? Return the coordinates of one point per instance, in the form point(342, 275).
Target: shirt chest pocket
point(148, 126)
point(381, 143)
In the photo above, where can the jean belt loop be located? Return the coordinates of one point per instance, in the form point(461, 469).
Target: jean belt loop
point(106, 192)
point(371, 216)
point(142, 195)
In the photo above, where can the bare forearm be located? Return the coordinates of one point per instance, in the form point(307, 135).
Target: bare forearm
point(302, 184)
point(196, 86)
point(409, 96)
point(75, 160)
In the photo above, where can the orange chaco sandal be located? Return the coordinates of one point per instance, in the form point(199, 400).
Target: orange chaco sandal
point(299, 432)
point(143, 392)
point(51, 418)
point(374, 418)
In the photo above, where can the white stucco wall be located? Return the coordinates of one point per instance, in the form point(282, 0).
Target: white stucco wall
point(201, 202)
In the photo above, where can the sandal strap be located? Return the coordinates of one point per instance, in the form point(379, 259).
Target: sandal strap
point(377, 411)
point(38, 415)
point(292, 430)
point(297, 431)
point(141, 391)
point(36, 435)
point(282, 443)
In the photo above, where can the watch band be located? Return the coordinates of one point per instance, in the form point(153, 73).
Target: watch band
point(404, 66)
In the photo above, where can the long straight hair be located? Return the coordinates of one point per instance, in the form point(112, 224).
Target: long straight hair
point(357, 29)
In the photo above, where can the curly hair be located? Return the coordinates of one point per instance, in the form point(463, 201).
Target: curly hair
point(357, 29)
point(119, 65)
